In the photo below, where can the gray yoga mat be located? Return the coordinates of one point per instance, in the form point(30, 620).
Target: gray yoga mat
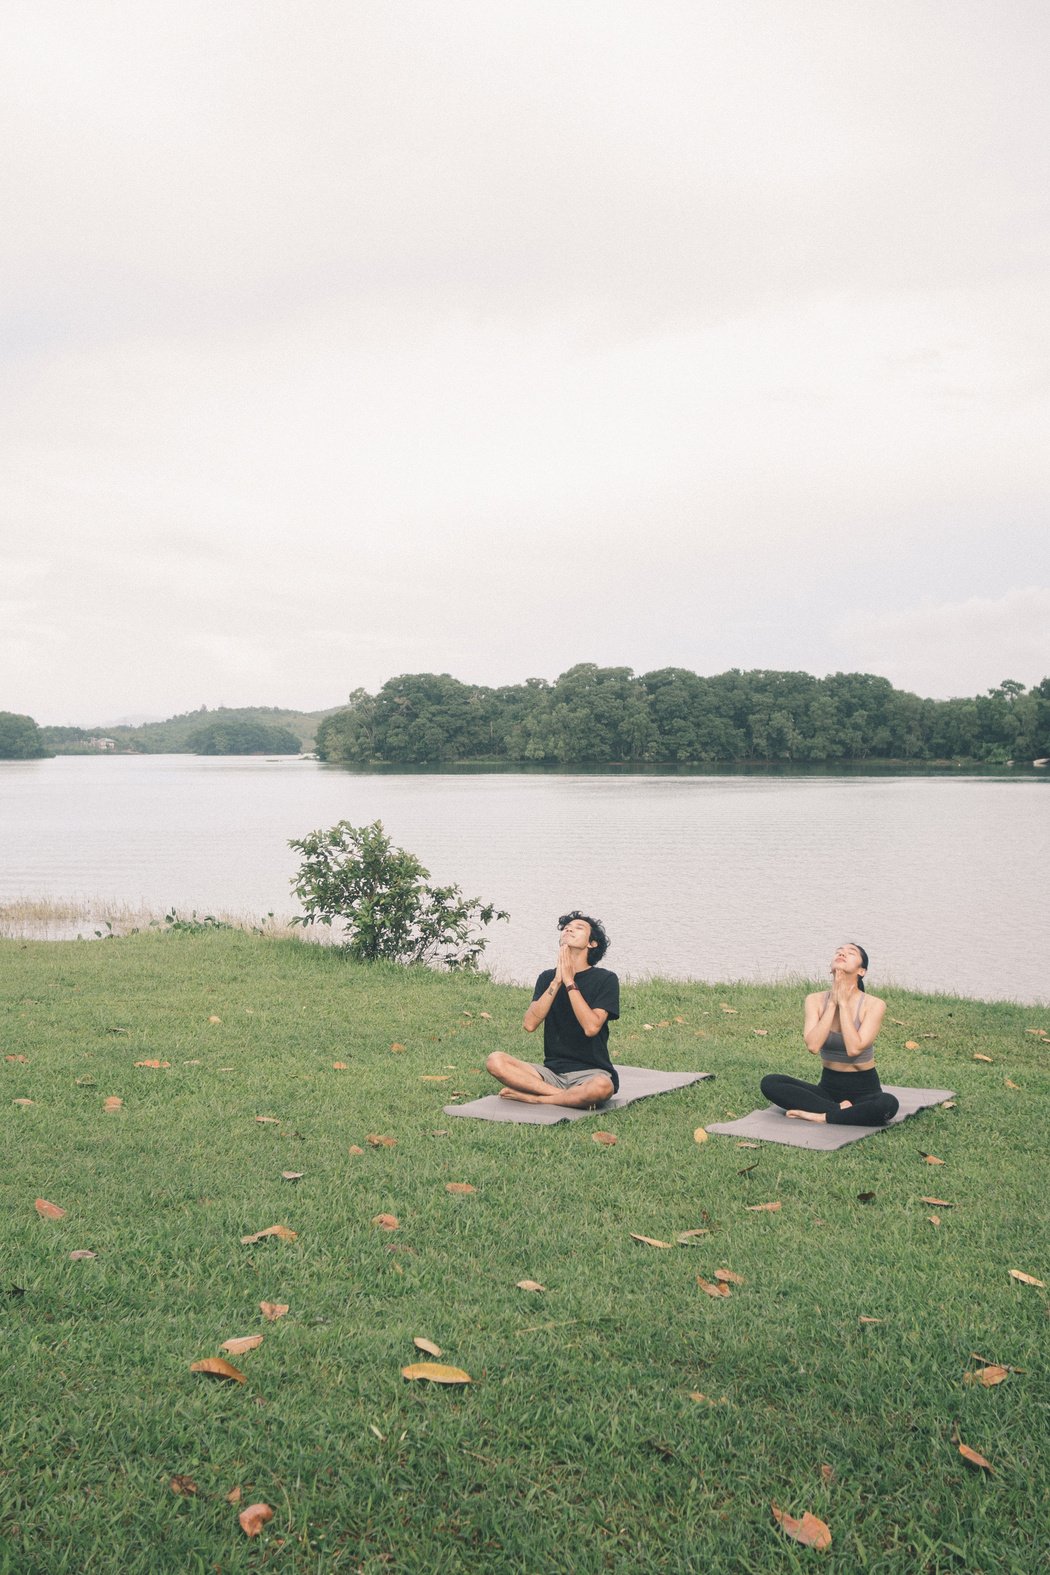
point(773, 1126)
point(636, 1082)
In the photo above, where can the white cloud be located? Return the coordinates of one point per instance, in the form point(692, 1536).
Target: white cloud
point(944, 649)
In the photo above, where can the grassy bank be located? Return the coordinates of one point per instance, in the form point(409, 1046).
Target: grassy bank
point(578, 1446)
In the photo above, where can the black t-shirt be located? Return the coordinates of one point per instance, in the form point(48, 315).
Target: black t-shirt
point(566, 1048)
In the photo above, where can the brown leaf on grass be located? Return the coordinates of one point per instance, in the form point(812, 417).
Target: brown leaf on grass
point(725, 1007)
point(49, 1211)
point(486, 1015)
point(985, 1058)
point(911, 1044)
point(695, 1394)
point(233, 1496)
point(268, 1121)
point(809, 1531)
point(254, 1518)
point(863, 1319)
point(340, 1066)
point(898, 1020)
point(112, 1103)
point(23, 1059)
point(828, 1473)
point(1008, 1084)
point(761, 1032)
point(82, 1082)
point(434, 1077)
point(727, 1274)
point(459, 1187)
point(82, 1252)
point(934, 1220)
point(938, 1203)
point(377, 1140)
point(386, 1221)
point(700, 1135)
point(216, 1367)
point(948, 1104)
point(436, 1373)
point(153, 1063)
point(689, 1237)
point(712, 1290)
point(396, 1049)
point(184, 1486)
point(649, 1241)
point(975, 1460)
point(241, 1343)
point(749, 1145)
point(214, 1019)
point(762, 1208)
point(292, 1175)
point(529, 1285)
point(607, 1138)
point(1026, 1279)
point(271, 1311)
point(280, 1231)
point(931, 1159)
point(988, 1376)
point(427, 1345)
point(748, 1169)
point(353, 1149)
point(23, 1101)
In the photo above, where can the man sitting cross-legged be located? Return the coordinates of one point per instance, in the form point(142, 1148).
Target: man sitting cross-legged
point(575, 1002)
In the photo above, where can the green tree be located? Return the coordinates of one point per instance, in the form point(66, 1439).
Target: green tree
point(243, 738)
point(354, 876)
point(20, 738)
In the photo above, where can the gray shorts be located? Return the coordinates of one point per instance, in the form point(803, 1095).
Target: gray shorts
point(570, 1079)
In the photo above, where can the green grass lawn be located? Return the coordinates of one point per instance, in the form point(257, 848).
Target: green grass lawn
point(577, 1446)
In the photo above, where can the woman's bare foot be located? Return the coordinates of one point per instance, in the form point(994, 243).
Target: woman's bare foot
point(845, 1104)
point(807, 1115)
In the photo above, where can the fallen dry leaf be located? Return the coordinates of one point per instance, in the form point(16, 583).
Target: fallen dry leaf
point(712, 1290)
point(427, 1345)
point(23, 1059)
point(292, 1175)
point(112, 1103)
point(911, 1044)
point(82, 1082)
point(931, 1159)
point(762, 1208)
point(934, 1220)
point(985, 1058)
point(486, 1015)
point(233, 1496)
point(214, 1019)
point(386, 1221)
point(647, 1027)
point(530, 1285)
point(396, 1049)
point(948, 1104)
point(863, 1319)
point(340, 1066)
point(434, 1077)
point(271, 1311)
point(749, 1145)
point(727, 1274)
point(153, 1063)
point(378, 1141)
point(988, 1376)
point(216, 1367)
point(761, 1032)
point(241, 1343)
point(607, 1138)
point(280, 1231)
point(184, 1486)
point(353, 1149)
point(689, 1237)
point(272, 1121)
point(23, 1101)
point(49, 1211)
point(828, 1473)
point(938, 1203)
point(809, 1531)
point(459, 1187)
point(254, 1518)
point(436, 1373)
point(82, 1252)
point(975, 1460)
point(1008, 1084)
point(695, 1394)
point(649, 1241)
point(1026, 1279)
point(700, 1135)
point(725, 1007)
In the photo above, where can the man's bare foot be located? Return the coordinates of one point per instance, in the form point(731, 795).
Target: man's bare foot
point(523, 1098)
point(807, 1115)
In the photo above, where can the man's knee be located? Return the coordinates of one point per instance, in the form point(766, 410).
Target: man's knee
point(494, 1062)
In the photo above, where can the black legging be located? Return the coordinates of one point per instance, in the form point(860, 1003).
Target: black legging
point(871, 1106)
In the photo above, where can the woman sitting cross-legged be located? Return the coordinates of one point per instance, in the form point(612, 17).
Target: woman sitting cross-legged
point(841, 1026)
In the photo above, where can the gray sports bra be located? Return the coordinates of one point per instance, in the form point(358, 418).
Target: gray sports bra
point(834, 1046)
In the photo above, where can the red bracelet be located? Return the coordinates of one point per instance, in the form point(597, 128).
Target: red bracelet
point(575, 987)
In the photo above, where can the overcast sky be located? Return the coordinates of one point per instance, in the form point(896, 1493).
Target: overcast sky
point(342, 340)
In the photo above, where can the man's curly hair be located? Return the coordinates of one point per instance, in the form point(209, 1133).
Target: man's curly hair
point(595, 953)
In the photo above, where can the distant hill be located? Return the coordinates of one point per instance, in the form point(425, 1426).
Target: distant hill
point(172, 737)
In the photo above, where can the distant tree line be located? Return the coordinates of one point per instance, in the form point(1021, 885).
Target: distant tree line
point(224, 730)
point(603, 715)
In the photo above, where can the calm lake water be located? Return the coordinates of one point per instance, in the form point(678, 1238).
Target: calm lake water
point(717, 877)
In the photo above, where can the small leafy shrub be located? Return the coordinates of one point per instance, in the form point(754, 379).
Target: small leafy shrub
point(194, 925)
point(353, 875)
